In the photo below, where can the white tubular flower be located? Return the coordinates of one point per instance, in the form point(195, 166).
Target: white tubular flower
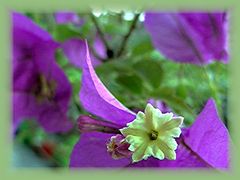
point(152, 133)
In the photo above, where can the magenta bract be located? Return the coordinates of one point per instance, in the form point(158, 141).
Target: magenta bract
point(41, 90)
point(65, 17)
point(196, 38)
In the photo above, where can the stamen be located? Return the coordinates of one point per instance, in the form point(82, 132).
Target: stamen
point(44, 89)
point(153, 135)
point(117, 147)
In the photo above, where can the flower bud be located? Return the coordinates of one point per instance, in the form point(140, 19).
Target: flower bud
point(118, 147)
point(89, 124)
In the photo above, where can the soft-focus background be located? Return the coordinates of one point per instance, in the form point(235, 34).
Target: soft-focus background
point(130, 67)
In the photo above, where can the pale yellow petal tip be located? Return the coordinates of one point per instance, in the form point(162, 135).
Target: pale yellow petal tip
point(171, 156)
point(135, 160)
point(149, 107)
point(140, 115)
point(159, 156)
point(131, 148)
point(180, 119)
point(123, 131)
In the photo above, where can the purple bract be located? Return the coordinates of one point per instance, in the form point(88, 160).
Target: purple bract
point(41, 90)
point(197, 38)
point(74, 51)
point(65, 17)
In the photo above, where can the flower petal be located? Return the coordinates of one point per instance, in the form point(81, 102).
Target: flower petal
point(63, 88)
point(33, 49)
point(209, 138)
point(161, 120)
point(149, 163)
point(48, 115)
point(100, 48)
point(74, 49)
point(34, 57)
point(97, 99)
point(156, 151)
point(65, 17)
point(173, 123)
point(168, 152)
point(196, 38)
point(175, 132)
point(23, 107)
point(170, 142)
point(133, 132)
point(22, 22)
point(139, 122)
point(91, 151)
point(139, 153)
point(53, 120)
point(185, 158)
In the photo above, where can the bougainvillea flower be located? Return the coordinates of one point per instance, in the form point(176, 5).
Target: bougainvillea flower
point(152, 133)
point(197, 38)
point(41, 90)
point(204, 144)
point(66, 17)
point(73, 50)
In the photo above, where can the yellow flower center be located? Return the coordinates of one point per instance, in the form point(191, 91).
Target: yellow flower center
point(153, 135)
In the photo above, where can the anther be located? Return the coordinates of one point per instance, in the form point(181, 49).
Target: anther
point(153, 135)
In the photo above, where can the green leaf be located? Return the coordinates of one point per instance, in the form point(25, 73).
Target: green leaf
point(150, 71)
point(112, 25)
point(74, 76)
point(64, 148)
point(140, 43)
point(131, 82)
point(64, 32)
point(60, 58)
point(181, 90)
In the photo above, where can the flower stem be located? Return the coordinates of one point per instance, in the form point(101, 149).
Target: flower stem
point(77, 105)
point(101, 34)
point(214, 93)
point(126, 37)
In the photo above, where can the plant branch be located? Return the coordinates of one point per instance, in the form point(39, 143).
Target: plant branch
point(126, 37)
point(215, 95)
point(77, 105)
point(101, 35)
